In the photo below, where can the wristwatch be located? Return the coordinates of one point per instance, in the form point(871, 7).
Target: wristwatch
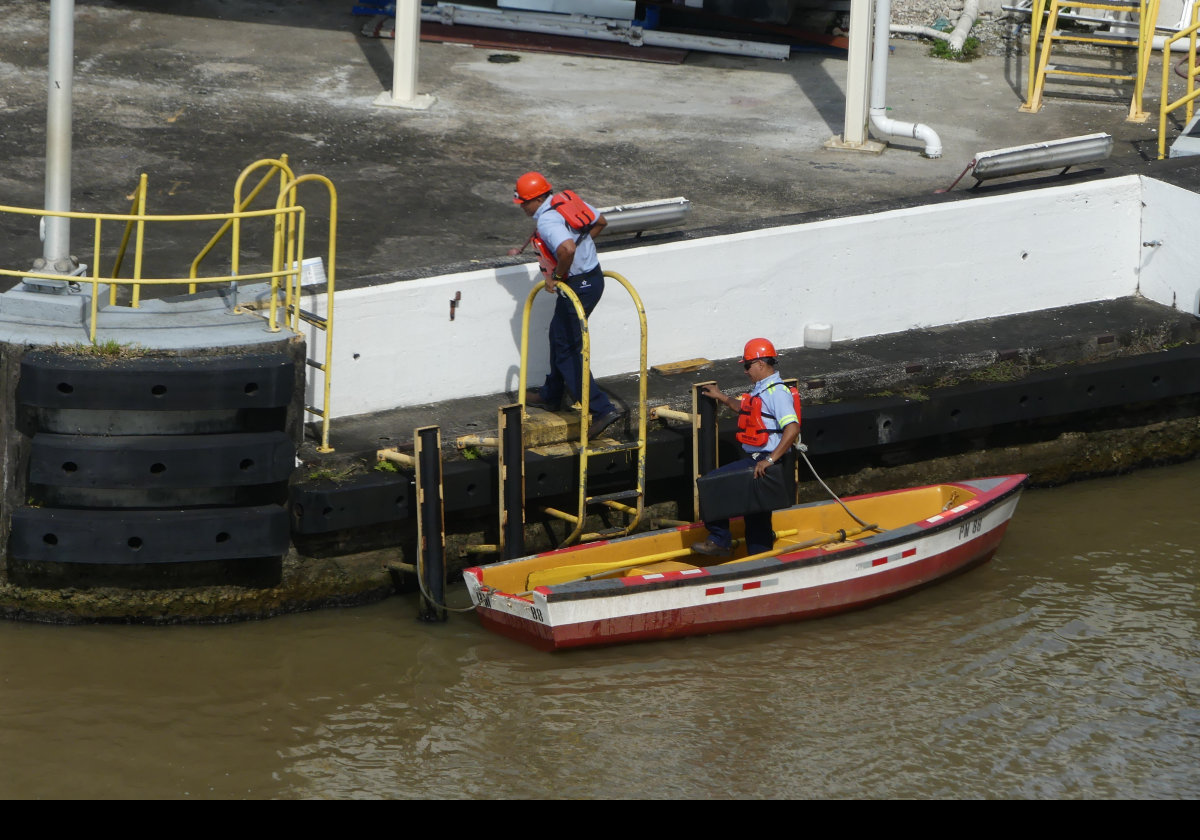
point(769, 459)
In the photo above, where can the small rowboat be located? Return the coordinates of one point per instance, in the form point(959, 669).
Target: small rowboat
point(828, 557)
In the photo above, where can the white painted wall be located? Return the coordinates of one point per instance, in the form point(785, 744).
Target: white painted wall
point(395, 345)
point(1169, 274)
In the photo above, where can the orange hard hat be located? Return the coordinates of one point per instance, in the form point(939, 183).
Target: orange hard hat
point(758, 348)
point(530, 185)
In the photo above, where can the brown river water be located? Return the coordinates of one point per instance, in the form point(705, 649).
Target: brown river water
point(1068, 667)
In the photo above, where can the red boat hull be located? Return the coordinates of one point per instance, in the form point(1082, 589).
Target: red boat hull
point(806, 585)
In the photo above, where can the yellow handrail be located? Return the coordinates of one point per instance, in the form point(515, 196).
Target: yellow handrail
point(139, 207)
point(137, 221)
point(1147, 13)
point(288, 221)
point(1165, 106)
point(579, 520)
point(276, 167)
point(290, 272)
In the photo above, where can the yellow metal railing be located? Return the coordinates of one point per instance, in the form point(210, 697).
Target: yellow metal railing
point(1165, 105)
point(138, 221)
point(588, 448)
point(286, 264)
point(286, 222)
point(1146, 12)
point(138, 209)
point(276, 167)
point(290, 246)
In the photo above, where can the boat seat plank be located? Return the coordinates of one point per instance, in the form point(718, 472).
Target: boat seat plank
point(659, 568)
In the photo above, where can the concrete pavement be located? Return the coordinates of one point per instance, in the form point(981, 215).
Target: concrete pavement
point(192, 92)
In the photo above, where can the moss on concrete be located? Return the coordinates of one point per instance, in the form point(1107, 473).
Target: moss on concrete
point(308, 583)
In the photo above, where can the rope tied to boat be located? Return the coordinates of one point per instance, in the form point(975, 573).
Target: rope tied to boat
point(803, 450)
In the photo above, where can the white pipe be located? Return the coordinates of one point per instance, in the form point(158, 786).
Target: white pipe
point(57, 247)
point(955, 38)
point(962, 28)
point(879, 119)
point(912, 29)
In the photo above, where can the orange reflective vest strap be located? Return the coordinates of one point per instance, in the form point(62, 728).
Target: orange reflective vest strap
point(752, 426)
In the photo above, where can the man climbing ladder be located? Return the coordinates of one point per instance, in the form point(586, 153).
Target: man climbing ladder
point(566, 226)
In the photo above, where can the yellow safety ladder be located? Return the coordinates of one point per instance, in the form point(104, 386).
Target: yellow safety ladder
point(291, 244)
point(286, 276)
point(1144, 13)
point(629, 502)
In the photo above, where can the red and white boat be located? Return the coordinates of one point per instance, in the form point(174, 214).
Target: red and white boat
point(828, 557)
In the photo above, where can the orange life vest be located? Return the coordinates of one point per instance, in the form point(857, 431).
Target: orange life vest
point(572, 208)
point(752, 426)
point(579, 218)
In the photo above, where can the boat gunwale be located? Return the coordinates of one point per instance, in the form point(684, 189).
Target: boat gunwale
point(804, 558)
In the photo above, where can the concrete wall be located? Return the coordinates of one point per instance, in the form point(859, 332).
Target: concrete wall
point(1168, 272)
point(395, 345)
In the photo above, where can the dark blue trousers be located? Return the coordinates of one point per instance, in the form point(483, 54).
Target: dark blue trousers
point(566, 345)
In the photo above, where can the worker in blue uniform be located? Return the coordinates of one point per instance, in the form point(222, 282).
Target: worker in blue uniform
point(566, 226)
point(768, 426)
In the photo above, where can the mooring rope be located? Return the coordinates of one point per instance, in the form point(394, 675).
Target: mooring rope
point(804, 454)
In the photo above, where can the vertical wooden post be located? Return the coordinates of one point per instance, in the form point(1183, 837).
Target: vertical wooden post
point(704, 440)
point(512, 482)
point(431, 534)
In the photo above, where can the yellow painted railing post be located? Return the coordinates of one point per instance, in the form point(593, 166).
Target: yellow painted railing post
point(1165, 104)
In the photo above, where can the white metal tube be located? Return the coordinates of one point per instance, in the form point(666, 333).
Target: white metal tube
point(879, 119)
point(56, 249)
point(912, 29)
point(955, 38)
point(966, 20)
point(647, 214)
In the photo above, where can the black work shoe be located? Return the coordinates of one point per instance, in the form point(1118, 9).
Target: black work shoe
point(603, 422)
point(534, 397)
point(710, 549)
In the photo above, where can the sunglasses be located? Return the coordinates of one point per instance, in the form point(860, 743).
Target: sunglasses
point(750, 364)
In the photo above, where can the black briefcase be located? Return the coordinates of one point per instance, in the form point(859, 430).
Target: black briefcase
point(738, 492)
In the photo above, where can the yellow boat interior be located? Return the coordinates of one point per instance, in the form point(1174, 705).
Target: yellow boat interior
point(825, 524)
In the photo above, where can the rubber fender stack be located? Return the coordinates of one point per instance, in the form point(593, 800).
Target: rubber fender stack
point(153, 471)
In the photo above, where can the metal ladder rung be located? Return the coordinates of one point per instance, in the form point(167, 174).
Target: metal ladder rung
point(608, 448)
point(614, 497)
point(1108, 5)
point(317, 411)
point(1098, 38)
point(312, 364)
point(1134, 29)
point(1067, 70)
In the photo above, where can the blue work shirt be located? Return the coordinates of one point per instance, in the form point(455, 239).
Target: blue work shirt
point(777, 402)
point(554, 231)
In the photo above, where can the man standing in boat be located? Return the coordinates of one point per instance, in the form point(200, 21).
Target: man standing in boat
point(566, 226)
point(768, 426)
